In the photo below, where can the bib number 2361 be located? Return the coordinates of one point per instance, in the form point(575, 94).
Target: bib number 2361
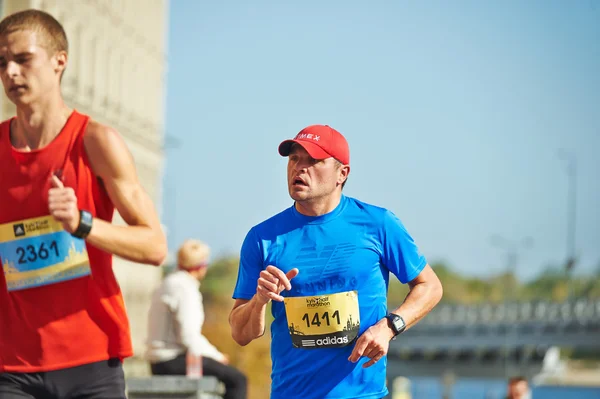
point(38, 251)
point(324, 321)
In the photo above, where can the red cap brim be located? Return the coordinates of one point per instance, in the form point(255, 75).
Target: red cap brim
point(313, 150)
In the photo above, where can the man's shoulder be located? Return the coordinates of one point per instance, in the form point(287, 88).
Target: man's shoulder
point(355, 205)
point(97, 133)
point(105, 148)
point(275, 220)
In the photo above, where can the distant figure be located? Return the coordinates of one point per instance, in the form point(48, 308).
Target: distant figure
point(518, 388)
point(175, 324)
point(552, 366)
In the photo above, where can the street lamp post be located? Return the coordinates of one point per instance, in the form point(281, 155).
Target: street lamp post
point(571, 169)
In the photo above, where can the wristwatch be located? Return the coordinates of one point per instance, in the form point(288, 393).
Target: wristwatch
point(396, 323)
point(85, 224)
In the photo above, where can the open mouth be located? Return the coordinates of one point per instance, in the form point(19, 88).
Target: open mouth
point(298, 182)
point(17, 87)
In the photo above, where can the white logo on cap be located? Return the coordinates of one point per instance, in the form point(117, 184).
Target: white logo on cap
point(308, 136)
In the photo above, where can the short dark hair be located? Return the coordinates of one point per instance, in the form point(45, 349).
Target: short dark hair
point(517, 379)
point(51, 31)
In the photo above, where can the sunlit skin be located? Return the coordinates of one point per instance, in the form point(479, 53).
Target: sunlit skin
point(27, 69)
point(31, 80)
point(315, 184)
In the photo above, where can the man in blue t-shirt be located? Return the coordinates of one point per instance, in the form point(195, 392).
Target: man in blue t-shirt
point(325, 264)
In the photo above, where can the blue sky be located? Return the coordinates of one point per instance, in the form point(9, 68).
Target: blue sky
point(454, 115)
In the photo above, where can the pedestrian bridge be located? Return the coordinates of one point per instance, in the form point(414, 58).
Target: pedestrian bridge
point(489, 339)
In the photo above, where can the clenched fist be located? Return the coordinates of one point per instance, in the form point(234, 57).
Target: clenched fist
point(62, 204)
point(272, 281)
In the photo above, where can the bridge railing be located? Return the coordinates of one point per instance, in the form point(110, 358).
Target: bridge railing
point(579, 311)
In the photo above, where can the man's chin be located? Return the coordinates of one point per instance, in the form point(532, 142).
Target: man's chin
point(299, 195)
point(18, 99)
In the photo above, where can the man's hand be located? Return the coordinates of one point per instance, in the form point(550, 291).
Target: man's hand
point(373, 343)
point(271, 282)
point(62, 204)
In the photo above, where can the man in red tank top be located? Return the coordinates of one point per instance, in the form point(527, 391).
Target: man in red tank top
point(63, 326)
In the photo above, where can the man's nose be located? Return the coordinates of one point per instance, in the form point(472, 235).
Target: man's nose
point(12, 69)
point(301, 165)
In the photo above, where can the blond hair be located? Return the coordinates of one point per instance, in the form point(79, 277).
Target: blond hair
point(51, 32)
point(192, 253)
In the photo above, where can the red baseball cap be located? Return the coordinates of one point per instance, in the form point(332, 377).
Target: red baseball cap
point(320, 141)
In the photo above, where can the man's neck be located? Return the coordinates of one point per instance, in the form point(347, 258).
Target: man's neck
point(319, 206)
point(38, 124)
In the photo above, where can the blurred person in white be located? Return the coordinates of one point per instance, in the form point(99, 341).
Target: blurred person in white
point(175, 324)
point(518, 388)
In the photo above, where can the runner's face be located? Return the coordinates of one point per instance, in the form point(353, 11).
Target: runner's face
point(310, 178)
point(27, 71)
point(519, 390)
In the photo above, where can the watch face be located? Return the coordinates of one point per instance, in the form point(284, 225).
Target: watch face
point(398, 323)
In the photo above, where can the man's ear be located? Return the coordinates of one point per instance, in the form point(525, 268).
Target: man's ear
point(60, 61)
point(344, 172)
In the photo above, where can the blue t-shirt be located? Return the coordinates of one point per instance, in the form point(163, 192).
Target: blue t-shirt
point(350, 250)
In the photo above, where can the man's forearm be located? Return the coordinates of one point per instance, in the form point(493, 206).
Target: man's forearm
point(419, 301)
point(248, 321)
point(135, 243)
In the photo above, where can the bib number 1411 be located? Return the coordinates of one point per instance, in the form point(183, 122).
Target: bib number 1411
point(316, 321)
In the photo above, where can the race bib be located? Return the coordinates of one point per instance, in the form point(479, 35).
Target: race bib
point(324, 321)
point(38, 251)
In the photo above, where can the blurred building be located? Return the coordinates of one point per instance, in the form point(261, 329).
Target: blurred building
point(116, 74)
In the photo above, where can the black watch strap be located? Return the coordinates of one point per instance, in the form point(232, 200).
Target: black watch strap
point(85, 224)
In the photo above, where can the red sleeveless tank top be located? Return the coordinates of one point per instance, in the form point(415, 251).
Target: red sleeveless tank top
point(60, 303)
